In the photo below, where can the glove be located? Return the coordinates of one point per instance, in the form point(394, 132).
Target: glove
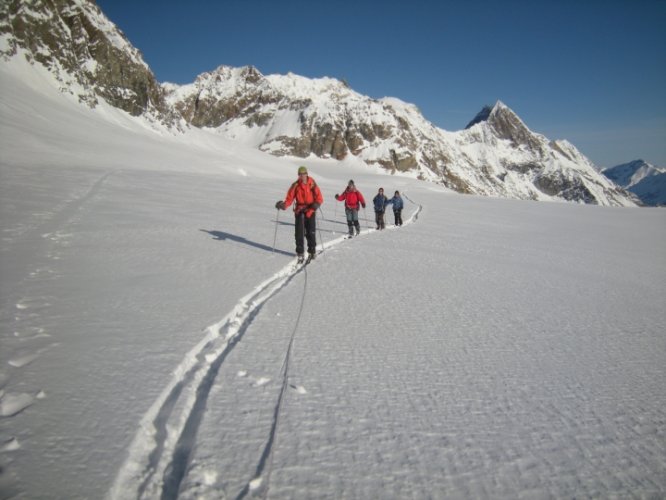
point(363, 205)
point(280, 205)
point(337, 196)
point(314, 206)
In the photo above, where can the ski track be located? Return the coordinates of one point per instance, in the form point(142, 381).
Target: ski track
point(160, 452)
point(51, 231)
point(39, 244)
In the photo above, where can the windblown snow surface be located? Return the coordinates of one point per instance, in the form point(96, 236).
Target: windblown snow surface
point(155, 344)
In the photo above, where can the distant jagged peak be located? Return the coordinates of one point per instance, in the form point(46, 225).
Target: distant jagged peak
point(505, 124)
point(490, 113)
point(631, 173)
point(481, 116)
point(634, 165)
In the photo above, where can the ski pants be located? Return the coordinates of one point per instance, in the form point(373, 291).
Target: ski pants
point(306, 227)
point(398, 217)
point(352, 220)
point(379, 220)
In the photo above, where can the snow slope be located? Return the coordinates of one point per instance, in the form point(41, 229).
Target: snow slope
point(641, 178)
point(155, 344)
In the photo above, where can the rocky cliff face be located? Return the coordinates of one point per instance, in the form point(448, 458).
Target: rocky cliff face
point(495, 155)
point(86, 53)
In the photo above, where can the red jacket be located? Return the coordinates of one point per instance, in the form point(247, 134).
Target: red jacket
point(352, 199)
point(304, 194)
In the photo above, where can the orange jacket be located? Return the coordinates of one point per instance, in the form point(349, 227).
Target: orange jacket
point(304, 194)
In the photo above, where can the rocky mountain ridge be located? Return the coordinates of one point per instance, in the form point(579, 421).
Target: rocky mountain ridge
point(85, 52)
point(496, 155)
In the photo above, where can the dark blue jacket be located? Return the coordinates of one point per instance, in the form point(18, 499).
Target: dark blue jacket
point(397, 202)
point(380, 202)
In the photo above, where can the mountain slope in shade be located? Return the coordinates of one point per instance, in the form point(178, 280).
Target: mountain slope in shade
point(641, 178)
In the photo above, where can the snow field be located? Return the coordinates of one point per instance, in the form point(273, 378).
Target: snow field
point(153, 343)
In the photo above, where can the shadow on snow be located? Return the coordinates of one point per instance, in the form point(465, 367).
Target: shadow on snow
point(222, 236)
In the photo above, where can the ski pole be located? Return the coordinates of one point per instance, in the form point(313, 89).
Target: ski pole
point(277, 217)
point(319, 229)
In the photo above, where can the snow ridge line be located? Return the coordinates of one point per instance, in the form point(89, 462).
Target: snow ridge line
point(159, 453)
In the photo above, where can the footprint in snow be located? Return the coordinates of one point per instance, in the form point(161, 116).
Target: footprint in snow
point(11, 444)
point(31, 333)
point(256, 382)
point(23, 357)
point(261, 381)
point(13, 403)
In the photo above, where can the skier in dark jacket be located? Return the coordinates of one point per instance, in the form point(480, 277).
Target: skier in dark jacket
point(379, 203)
point(306, 197)
point(397, 203)
point(353, 200)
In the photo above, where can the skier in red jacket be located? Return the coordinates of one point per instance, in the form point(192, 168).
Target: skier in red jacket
point(353, 199)
point(306, 197)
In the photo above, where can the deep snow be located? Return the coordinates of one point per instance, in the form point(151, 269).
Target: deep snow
point(154, 343)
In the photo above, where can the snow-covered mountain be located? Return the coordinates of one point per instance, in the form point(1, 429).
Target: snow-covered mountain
point(496, 155)
point(641, 178)
point(87, 54)
point(157, 339)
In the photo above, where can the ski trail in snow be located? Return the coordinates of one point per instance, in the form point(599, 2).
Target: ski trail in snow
point(159, 454)
point(261, 481)
point(37, 245)
point(36, 241)
point(267, 455)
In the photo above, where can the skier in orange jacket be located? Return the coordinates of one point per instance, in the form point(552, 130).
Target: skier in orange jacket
point(306, 198)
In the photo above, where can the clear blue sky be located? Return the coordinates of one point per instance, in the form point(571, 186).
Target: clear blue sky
point(590, 71)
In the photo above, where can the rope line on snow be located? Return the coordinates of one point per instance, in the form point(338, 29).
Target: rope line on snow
point(266, 460)
point(158, 463)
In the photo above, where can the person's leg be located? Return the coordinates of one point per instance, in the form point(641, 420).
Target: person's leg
point(299, 233)
point(311, 233)
point(350, 220)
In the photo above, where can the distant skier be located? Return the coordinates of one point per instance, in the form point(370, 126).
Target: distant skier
point(379, 203)
point(397, 203)
point(353, 200)
point(306, 197)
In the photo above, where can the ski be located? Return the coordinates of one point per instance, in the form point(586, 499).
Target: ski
point(302, 261)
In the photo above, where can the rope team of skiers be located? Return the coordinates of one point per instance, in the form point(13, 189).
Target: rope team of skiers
point(306, 198)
